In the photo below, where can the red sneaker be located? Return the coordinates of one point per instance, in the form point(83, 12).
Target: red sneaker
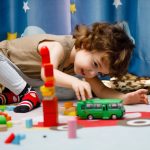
point(8, 97)
point(29, 102)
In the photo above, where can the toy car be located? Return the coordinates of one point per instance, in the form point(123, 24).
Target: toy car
point(100, 109)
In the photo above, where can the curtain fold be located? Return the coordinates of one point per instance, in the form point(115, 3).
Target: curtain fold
point(140, 62)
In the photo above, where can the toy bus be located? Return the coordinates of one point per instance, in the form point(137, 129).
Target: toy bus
point(100, 109)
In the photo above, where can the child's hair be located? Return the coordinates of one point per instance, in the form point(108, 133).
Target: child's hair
point(109, 38)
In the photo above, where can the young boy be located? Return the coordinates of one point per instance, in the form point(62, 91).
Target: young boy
point(102, 49)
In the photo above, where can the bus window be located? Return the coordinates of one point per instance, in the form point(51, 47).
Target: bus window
point(120, 105)
point(98, 106)
point(89, 106)
point(93, 106)
point(113, 106)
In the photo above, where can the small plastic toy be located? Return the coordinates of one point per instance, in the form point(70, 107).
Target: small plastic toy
point(3, 119)
point(29, 123)
point(3, 127)
point(2, 108)
point(100, 109)
point(72, 127)
point(10, 138)
point(68, 109)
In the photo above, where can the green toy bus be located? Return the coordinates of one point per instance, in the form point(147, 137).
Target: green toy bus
point(100, 109)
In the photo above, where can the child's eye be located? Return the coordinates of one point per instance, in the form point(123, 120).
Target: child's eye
point(95, 64)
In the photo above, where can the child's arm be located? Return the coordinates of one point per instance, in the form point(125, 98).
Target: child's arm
point(102, 91)
point(81, 88)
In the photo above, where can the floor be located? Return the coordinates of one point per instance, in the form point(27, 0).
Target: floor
point(129, 134)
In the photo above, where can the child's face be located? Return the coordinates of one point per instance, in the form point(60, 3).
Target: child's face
point(89, 64)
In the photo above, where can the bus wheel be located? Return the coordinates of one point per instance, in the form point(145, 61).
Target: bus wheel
point(114, 117)
point(90, 117)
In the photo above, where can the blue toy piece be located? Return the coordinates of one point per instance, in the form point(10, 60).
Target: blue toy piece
point(10, 108)
point(29, 123)
point(16, 139)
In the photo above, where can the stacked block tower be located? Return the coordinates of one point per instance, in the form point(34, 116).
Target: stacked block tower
point(49, 102)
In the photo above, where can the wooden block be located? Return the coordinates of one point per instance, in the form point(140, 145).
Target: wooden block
point(3, 127)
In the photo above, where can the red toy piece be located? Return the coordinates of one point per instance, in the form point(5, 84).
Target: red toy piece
point(48, 70)
point(44, 52)
point(49, 83)
point(50, 112)
point(10, 138)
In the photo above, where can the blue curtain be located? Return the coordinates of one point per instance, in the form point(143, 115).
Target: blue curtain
point(60, 17)
point(53, 16)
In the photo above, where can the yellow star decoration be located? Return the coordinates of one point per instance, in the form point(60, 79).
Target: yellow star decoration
point(73, 8)
point(11, 36)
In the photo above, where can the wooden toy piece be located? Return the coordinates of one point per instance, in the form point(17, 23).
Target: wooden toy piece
point(48, 70)
point(49, 83)
point(9, 124)
point(47, 91)
point(50, 112)
point(6, 115)
point(2, 107)
point(70, 111)
point(3, 120)
point(68, 104)
point(72, 125)
point(3, 127)
point(10, 138)
point(16, 140)
point(44, 52)
point(29, 123)
point(10, 108)
point(22, 136)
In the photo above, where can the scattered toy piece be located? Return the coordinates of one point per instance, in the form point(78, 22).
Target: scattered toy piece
point(72, 125)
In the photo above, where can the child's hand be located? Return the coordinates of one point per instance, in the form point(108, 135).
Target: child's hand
point(137, 97)
point(82, 89)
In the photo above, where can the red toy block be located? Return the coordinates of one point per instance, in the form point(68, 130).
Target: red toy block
point(50, 106)
point(10, 138)
point(49, 83)
point(50, 120)
point(50, 123)
point(50, 117)
point(48, 70)
point(44, 52)
point(50, 112)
